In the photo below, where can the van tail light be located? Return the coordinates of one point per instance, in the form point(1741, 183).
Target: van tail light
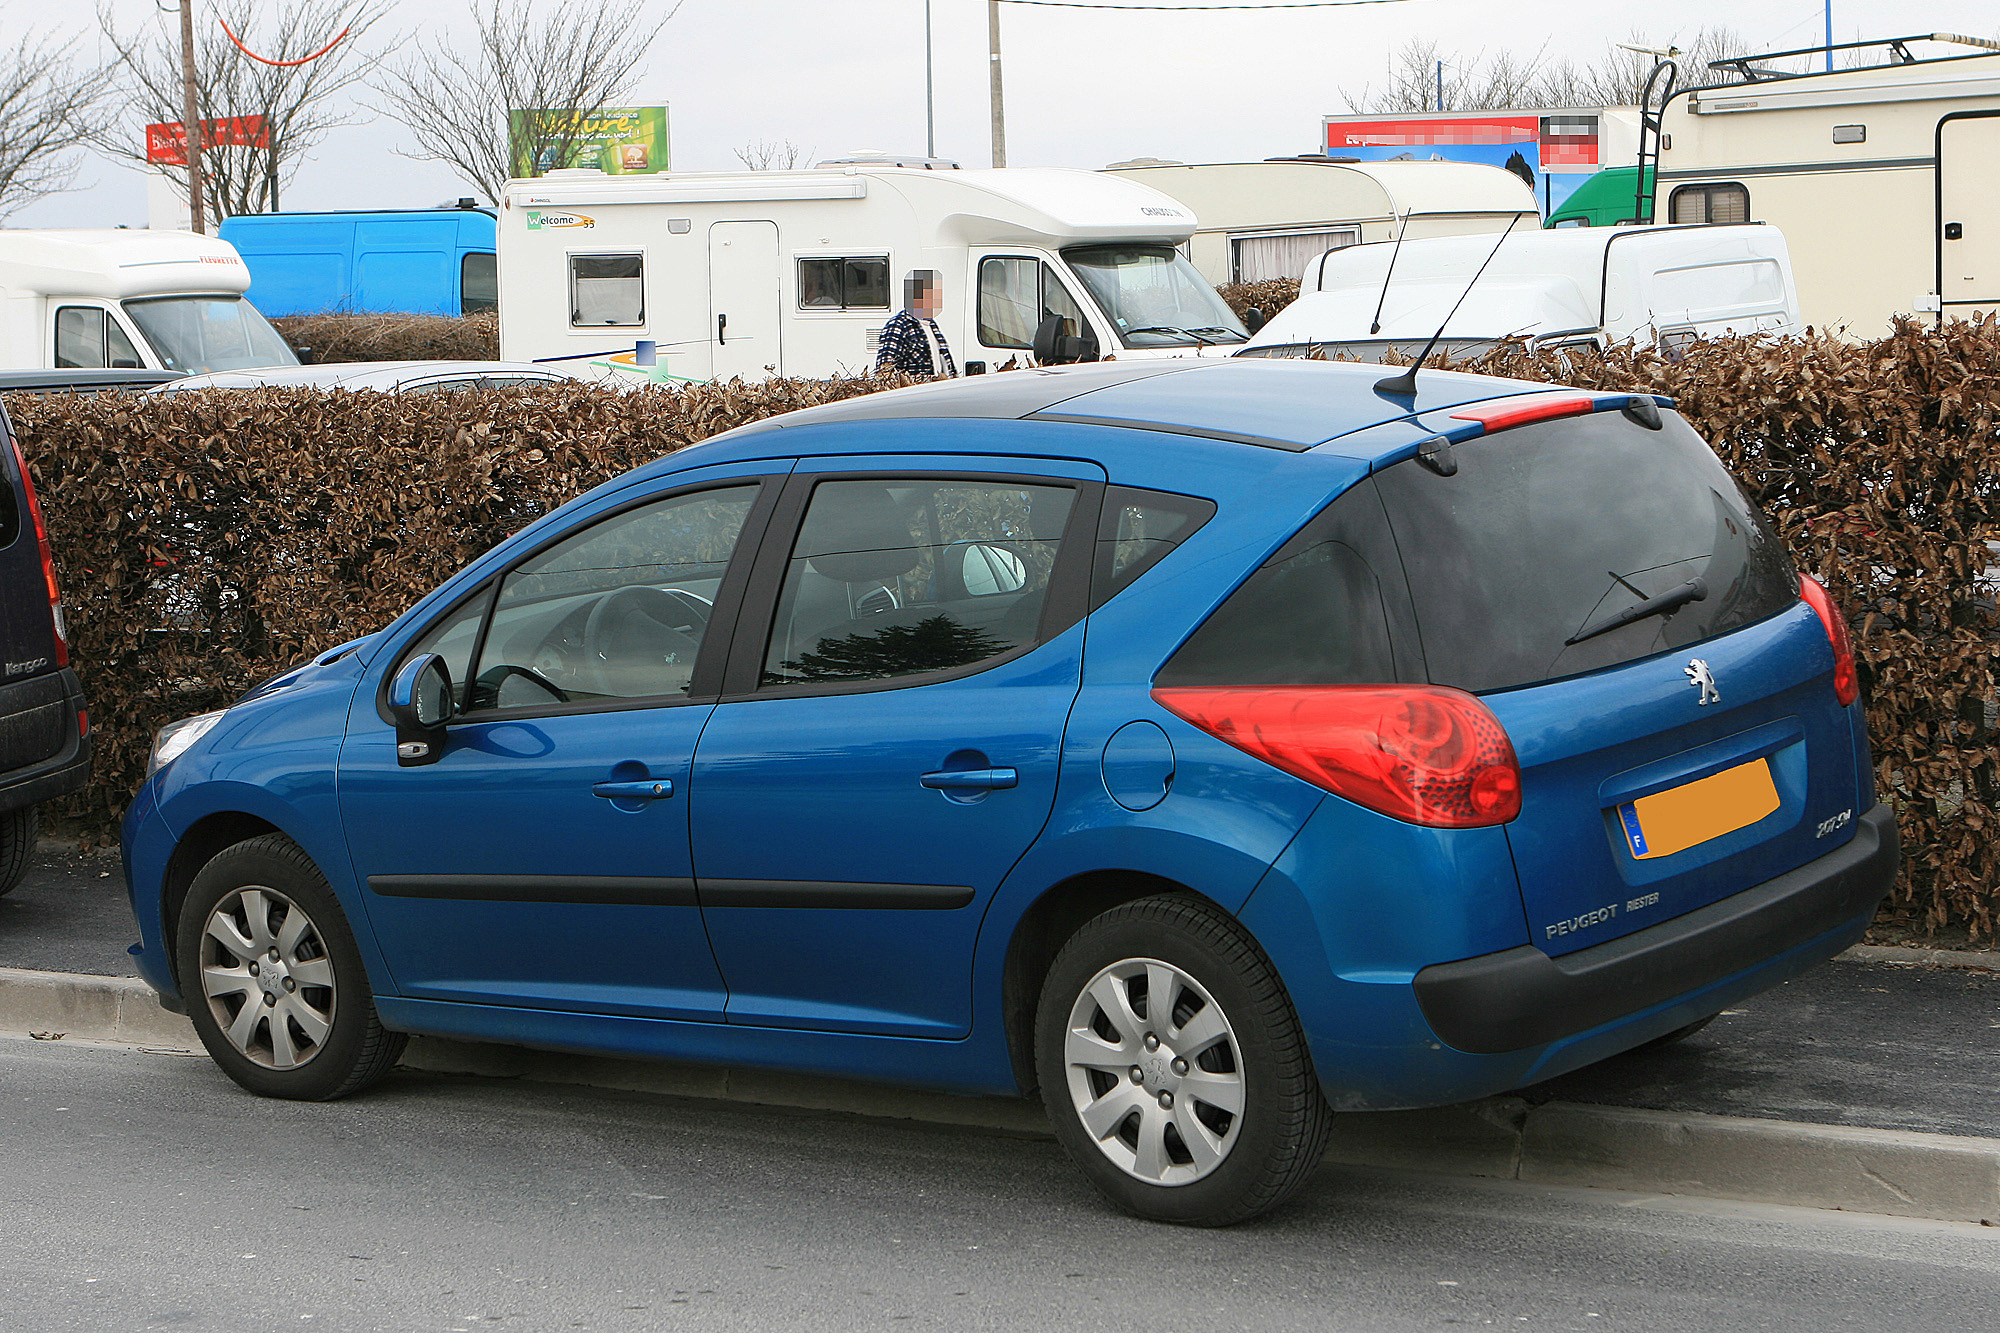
point(1421, 753)
point(1846, 682)
point(48, 561)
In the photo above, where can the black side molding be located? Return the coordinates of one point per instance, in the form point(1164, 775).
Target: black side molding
point(1522, 997)
point(815, 893)
point(622, 890)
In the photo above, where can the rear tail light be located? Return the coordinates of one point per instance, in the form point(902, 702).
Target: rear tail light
point(48, 561)
point(1421, 753)
point(1846, 682)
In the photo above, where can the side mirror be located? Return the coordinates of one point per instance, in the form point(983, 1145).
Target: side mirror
point(1254, 319)
point(420, 702)
point(1053, 347)
point(987, 569)
point(305, 355)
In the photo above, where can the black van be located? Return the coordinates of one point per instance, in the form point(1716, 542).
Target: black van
point(44, 728)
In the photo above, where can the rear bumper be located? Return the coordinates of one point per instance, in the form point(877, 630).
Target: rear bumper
point(1520, 998)
point(38, 718)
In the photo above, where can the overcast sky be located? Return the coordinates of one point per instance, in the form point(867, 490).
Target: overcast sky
point(1083, 87)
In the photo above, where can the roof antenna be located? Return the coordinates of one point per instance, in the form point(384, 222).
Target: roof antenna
point(1405, 384)
point(1375, 327)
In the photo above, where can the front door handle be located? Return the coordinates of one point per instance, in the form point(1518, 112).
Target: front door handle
point(650, 789)
point(970, 779)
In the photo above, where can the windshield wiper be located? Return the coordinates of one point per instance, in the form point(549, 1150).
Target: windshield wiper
point(1168, 328)
point(1217, 328)
point(1694, 590)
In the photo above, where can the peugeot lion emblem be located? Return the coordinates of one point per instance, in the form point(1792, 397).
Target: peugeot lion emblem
point(1699, 676)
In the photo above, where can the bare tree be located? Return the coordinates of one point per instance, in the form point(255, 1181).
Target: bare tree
point(1619, 76)
point(763, 155)
point(557, 69)
point(1509, 81)
point(49, 100)
point(296, 101)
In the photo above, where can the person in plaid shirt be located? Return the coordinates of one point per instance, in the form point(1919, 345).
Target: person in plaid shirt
point(911, 340)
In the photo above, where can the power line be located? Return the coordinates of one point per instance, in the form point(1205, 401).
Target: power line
point(1188, 9)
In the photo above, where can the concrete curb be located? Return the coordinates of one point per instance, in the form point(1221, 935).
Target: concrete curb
point(1936, 1176)
point(1892, 953)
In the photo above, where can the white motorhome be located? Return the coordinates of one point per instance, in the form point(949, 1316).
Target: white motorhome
point(795, 272)
point(1271, 219)
point(1601, 285)
point(156, 300)
point(1882, 177)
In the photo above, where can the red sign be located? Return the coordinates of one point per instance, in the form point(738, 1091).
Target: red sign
point(166, 145)
point(1462, 129)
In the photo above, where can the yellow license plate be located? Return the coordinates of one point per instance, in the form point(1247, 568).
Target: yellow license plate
point(1673, 821)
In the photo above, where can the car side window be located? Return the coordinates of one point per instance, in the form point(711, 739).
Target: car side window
point(616, 611)
point(87, 337)
point(1136, 530)
point(893, 578)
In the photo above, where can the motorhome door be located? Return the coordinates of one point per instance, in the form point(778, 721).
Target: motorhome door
point(1968, 219)
point(746, 318)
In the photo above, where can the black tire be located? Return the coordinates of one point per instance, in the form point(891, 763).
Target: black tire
point(1677, 1035)
point(1268, 1148)
point(313, 1036)
point(18, 831)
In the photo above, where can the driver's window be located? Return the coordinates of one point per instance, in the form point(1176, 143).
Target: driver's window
point(1015, 296)
point(617, 611)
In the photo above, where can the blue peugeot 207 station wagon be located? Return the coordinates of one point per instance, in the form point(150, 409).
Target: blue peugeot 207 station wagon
point(1211, 746)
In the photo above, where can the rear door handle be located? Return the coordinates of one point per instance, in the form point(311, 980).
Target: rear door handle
point(980, 779)
point(651, 789)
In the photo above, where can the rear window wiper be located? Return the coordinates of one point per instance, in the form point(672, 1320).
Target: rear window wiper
point(1694, 590)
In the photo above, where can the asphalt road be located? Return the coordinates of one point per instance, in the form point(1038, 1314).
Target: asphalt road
point(142, 1191)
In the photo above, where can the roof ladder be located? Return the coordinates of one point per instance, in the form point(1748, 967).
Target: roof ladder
point(1649, 138)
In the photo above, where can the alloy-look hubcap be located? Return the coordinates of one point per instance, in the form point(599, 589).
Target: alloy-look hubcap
point(267, 977)
point(1154, 1071)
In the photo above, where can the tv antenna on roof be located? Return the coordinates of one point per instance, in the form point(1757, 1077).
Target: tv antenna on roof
point(1405, 384)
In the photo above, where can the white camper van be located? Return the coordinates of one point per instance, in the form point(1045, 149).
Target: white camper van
point(1270, 219)
point(154, 300)
point(1601, 285)
point(1881, 177)
point(795, 272)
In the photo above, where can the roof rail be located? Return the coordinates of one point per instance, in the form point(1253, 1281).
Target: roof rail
point(1898, 51)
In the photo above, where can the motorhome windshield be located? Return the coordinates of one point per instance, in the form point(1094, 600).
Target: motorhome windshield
point(1154, 296)
point(202, 333)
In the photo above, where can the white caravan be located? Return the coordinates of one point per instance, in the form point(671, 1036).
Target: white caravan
point(1882, 178)
point(155, 300)
point(795, 272)
point(1270, 219)
point(1600, 285)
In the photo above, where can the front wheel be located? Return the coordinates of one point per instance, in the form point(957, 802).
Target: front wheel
point(1173, 1066)
point(273, 977)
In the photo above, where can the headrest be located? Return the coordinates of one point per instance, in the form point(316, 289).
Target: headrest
point(856, 533)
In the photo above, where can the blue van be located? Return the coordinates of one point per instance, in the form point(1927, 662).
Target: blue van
point(433, 261)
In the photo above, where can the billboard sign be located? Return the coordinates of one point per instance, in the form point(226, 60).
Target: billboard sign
point(619, 140)
point(166, 143)
point(1553, 153)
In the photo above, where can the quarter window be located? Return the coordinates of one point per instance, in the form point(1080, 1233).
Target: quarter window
point(844, 284)
point(1137, 529)
point(898, 578)
point(607, 290)
point(1710, 203)
point(617, 611)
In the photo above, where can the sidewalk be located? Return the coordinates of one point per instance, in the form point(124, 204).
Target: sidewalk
point(1868, 1083)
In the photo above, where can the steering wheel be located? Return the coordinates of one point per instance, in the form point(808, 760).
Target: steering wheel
point(634, 633)
point(487, 688)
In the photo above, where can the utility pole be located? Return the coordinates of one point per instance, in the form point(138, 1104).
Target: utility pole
point(190, 118)
point(1829, 36)
point(930, 104)
point(999, 111)
point(1440, 79)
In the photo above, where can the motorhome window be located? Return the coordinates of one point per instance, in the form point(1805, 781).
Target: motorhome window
point(1154, 296)
point(607, 290)
point(1711, 203)
point(88, 337)
point(1016, 295)
point(1261, 258)
point(478, 283)
point(203, 333)
point(843, 284)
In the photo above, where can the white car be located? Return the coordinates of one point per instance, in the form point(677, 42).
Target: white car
point(395, 376)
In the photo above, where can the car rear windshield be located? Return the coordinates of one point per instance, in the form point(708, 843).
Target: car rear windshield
point(1511, 571)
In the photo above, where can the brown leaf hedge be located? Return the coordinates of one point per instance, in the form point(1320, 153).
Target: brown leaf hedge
point(208, 540)
point(393, 337)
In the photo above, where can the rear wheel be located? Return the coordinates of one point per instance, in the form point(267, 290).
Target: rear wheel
point(1173, 1066)
point(273, 978)
point(18, 831)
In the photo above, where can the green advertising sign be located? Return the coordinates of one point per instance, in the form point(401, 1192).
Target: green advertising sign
point(621, 140)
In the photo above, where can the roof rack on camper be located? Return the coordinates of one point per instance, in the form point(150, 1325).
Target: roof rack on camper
point(1897, 47)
